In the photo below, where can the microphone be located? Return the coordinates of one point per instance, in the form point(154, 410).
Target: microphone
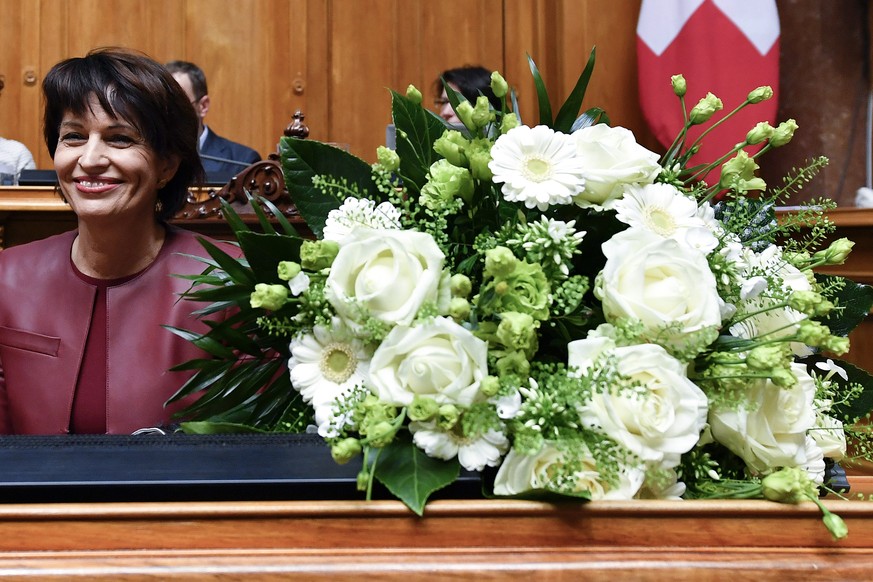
point(225, 160)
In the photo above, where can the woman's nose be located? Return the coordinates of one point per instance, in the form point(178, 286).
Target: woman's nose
point(446, 111)
point(93, 154)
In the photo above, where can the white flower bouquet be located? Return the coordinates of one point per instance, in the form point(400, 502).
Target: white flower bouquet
point(552, 304)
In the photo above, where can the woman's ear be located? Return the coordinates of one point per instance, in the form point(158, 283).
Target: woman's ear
point(167, 169)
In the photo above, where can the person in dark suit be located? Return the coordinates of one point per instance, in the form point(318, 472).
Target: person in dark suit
point(219, 155)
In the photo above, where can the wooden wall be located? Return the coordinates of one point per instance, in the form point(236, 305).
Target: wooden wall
point(336, 60)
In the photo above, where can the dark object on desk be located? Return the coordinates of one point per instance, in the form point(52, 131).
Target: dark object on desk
point(50, 178)
point(37, 178)
point(178, 467)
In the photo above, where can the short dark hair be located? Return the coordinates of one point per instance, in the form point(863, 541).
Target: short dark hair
point(195, 74)
point(131, 86)
point(471, 81)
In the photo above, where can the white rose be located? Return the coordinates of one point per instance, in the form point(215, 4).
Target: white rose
point(770, 431)
point(665, 285)
point(388, 274)
point(829, 435)
point(611, 159)
point(661, 421)
point(520, 473)
point(441, 360)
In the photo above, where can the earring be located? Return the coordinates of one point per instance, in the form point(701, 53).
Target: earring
point(159, 207)
point(161, 184)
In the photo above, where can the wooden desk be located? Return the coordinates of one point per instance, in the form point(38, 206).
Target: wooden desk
point(468, 539)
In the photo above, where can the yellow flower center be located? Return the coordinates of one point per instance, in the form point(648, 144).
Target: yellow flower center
point(338, 362)
point(660, 221)
point(536, 169)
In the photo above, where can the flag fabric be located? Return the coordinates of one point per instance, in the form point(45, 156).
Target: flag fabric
point(726, 47)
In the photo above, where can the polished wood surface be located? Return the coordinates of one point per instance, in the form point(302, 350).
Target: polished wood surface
point(456, 539)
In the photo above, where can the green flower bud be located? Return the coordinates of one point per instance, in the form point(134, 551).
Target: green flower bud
point(460, 285)
point(288, 270)
point(812, 333)
point(448, 416)
point(423, 408)
point(789, 485)
point(766, 357)
point(705, 109)
point(464, 111)
point(459, 308)
point(362, 481)
point(380, 434)
point(760, 94)
point(445, 182)
point(316, 255)
point(513, 364)
point(387, 158)
point(836, 253)
point(345, 450)
point(452, 146)
point(679, 85)
point(835, 525)
point(509, 121)
point(413, 94)
point(783, 377)
point(269, 297)
point(482, 112)
point(738, 174)
point(810, 303)
point(836, 345)
point(479, 156)
point(498, 85)
point(760, 133)
point(499, 262)
point(517, 331)
point(783, 133)
point(489, 386)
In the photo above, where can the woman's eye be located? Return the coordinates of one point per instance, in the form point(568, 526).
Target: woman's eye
point(72, 137)
point(124, 140)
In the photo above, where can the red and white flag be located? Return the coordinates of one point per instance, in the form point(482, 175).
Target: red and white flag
point(727, 47)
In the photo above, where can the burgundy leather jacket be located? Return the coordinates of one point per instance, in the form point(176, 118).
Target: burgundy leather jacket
point(45, 311)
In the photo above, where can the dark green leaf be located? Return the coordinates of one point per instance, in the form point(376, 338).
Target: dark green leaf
point(206, 377)
point(302, 159)
point(859, 406)
point(412, 476)
point(263, 219)
point(232, 218)
point(417, 129)
point(266, 251)
point(280, 218)
point(228, 264)
point(206, 427)
point(570, 108)
point(545, 106)
point(854, 299)
point(590, 117)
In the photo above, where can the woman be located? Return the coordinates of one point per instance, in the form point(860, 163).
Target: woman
point(470, 81)
point(82, 347)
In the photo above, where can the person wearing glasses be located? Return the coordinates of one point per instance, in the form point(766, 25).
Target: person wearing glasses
point(470, 81)
point(220, 155)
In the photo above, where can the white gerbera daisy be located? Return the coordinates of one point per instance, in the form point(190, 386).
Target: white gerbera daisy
point(667, 212)
point(356, 212)
point(473, 454)
point(328, 363)
point(537, 166)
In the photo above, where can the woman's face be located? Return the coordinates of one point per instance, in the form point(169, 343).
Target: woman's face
point(106, 169)
point(444, 108)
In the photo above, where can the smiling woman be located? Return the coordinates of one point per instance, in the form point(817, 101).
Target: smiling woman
point(122, 135)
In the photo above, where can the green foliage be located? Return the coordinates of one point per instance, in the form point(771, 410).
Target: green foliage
point(416, 131)
point(303, 160)
point(854, 301)
point(412, 476)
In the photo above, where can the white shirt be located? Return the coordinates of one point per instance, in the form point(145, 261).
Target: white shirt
point(14, 157)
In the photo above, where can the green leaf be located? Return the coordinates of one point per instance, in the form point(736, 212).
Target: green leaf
point(590, 117)
point(206, 427)
point(232, 218)
point(230, 265)
point(412, 476)
point(542, 94)
point(266, 251)
point(570, 108)
point(302, 159)
point(855, 299)
point(858, 407)
point(417, 129)
point(280, 218)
